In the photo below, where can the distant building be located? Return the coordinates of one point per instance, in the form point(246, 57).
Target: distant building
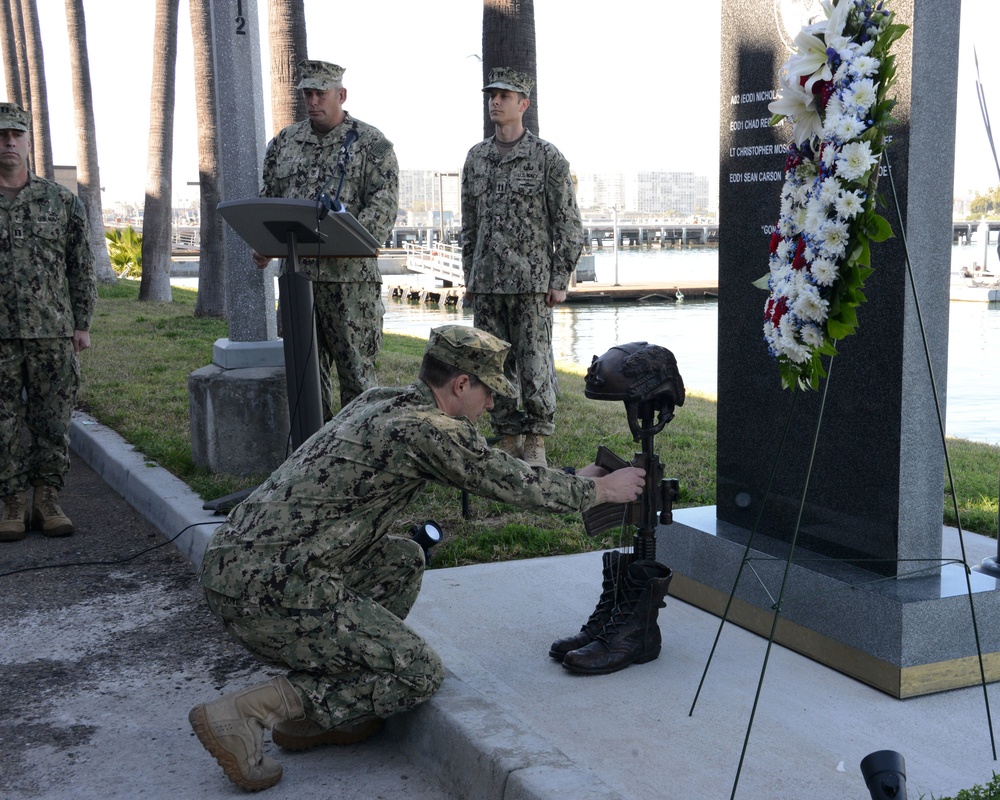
point(66, 176)
point(652, 193)
point(426, 190)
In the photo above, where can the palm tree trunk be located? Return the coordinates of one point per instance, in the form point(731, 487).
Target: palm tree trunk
point(509, 41)
point(286, 28)
point(211, 261)
point(88, 177)
point(40, 136)
point(12, 76)
point(21, 53)
point(157, 210)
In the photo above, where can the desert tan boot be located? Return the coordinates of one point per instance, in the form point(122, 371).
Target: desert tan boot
point(46, 516)
point(232, 729)
point(510, 444)
point(14, 522)
point(534, 450)
point(305, 734)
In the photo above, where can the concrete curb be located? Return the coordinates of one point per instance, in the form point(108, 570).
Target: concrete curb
point(472, 745)
point(165, 500)
point(478, 750)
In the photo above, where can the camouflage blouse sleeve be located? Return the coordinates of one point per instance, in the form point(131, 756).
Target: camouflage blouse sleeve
point(564, 221)
point(470, 225)
point(381, 196)
point(452, 452)
point(80, 272)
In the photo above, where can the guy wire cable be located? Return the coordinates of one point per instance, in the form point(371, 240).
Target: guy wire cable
point(944, 443)
point(753, 532)
point(981, 94)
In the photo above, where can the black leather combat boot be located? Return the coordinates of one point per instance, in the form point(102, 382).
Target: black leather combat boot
point(631, 635)
point(615, 564)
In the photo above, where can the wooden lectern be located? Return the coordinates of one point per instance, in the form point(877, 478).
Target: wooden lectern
point(283, 228)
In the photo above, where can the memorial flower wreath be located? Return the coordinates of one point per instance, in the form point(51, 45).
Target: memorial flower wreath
point(833, 92)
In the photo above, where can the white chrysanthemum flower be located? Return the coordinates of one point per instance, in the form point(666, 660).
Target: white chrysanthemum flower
point(783, 250)
point(849, 204)
point(855, 161)
point(834, 238)
point(824, 271)
point(790, 347)
point(810, 305)
point(861, 93)
point(845, 128)
point(785, 227)
point(864, 66)
point(829, 190)
point(799, 219)
point(867, 47)
point(830, 153)
point(812, 335)
point(816, 216)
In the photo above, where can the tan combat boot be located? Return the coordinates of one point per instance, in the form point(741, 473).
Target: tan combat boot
point(510, 444)
point(534, 450)
point(232, 729)
point(14, 522)
point(46, 516)
point(305, 734)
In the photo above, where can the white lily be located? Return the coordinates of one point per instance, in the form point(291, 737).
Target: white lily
point(798, 105)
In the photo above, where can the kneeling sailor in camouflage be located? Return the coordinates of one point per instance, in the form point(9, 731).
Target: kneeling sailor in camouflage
point(306, 575)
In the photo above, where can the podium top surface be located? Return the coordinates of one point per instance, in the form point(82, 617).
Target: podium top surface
point(268, 225)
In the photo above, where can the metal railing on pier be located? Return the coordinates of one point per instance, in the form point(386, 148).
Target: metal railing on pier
point(442, 261)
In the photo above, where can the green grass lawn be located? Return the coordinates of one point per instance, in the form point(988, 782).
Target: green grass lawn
point(135, 382)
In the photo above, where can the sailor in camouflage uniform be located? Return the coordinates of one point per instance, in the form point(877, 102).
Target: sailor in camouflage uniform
point(306, 574)
point(521, 239)
point(47, 293)
point(347, 292)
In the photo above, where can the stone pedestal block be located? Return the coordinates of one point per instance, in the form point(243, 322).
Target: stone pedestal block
point(905, 637)
point(239, 419)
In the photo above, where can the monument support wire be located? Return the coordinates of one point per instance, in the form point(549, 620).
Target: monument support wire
point(745, 560)
point(944, 444)
point(784, 577)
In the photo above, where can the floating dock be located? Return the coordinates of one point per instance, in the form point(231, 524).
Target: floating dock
point(641, 292)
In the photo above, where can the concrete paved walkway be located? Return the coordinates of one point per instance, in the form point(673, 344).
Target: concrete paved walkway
point(511, 723)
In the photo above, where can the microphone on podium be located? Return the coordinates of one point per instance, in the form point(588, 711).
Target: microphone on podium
point(324, 203)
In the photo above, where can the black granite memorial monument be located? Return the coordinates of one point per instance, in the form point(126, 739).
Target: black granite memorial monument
point(873, 506)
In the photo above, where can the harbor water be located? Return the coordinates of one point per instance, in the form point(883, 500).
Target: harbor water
point(689, 328)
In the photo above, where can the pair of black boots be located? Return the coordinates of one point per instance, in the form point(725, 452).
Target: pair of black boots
point(623, 629)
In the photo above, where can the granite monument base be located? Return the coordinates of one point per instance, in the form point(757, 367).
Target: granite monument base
point(239, 409)
point(906, 637)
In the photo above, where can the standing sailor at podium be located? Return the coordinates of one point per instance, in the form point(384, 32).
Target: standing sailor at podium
point(300, 163)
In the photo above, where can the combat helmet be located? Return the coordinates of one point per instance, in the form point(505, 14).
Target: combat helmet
point(645, 377)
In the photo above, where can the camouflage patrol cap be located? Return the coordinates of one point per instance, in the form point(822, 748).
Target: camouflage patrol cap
point(13, 117)
point(473, 351)
point(512, 80)
point(320, 75)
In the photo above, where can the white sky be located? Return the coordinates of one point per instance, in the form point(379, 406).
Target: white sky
point(623, 85)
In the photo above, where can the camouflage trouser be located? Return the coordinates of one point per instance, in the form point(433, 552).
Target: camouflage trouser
point(358, 658)
point(48, 372)
point(349, 333)
point(526, 322)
